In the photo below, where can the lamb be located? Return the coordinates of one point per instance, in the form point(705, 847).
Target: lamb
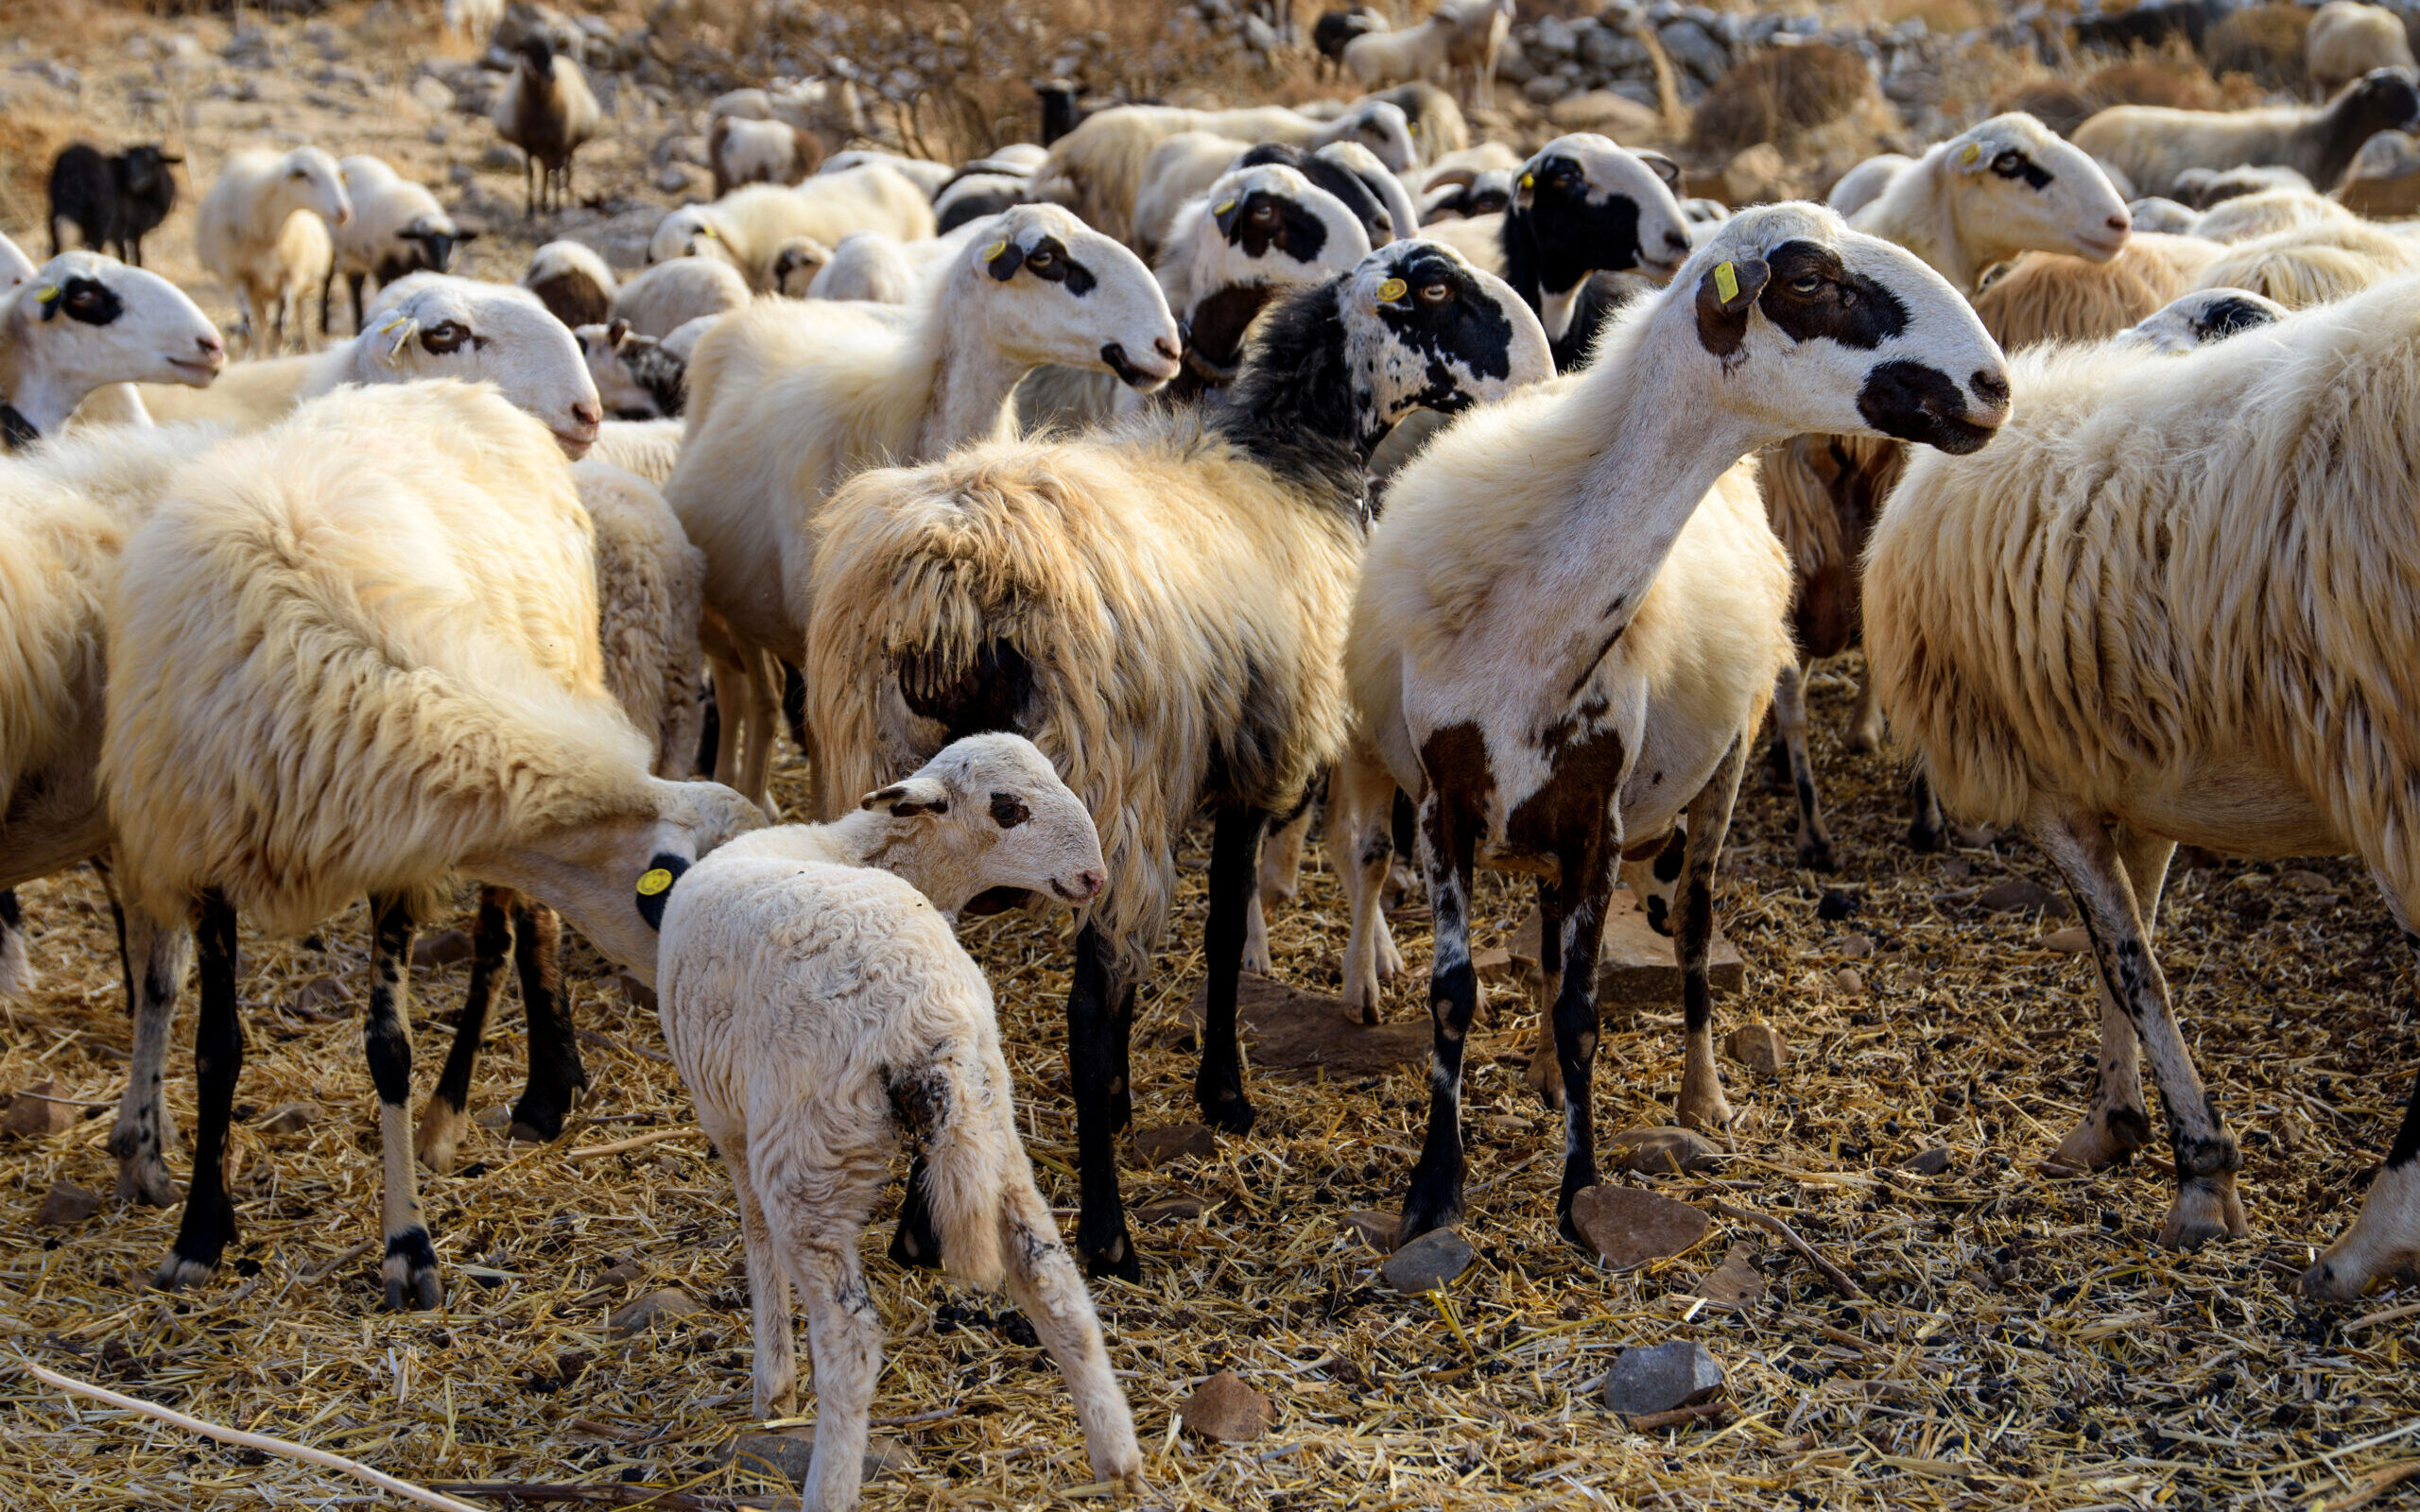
point(663, 298)
point(2200, 318)
point(819, 1008)
point(2051, 297)
point(1158, 608)
point(475, 19)
point(749, 226)
point(796, 264)
point(573, 282)
point(787, 399)
point(546, 111)
point(2152, 144)
point(2167, 606)
point(983, 187)
point(113, 201)
point(1380, 58)
point(263, 233)
point(2346, 39)
point(321, 664)
point(1531, 736)
point(742, 151)
point(2314, 264)
point(1863, 184)
point(397, 229)
point(1186, 165)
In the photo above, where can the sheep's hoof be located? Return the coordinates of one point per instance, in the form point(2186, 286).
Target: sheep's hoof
point(1815, 855)
point(178, 1272)
point(1256, 959)
point(1225, 1108)
point(1434, 1202)
point(913, 1244)
point(420, 1292)
point(1863, 741)
point(1545, 1076)
point(1702, 1106)
point(2107, 1137)
point(146, 1179)
point(1116, 1257)
point(1927, 838)
point(440, 1135)
point(2206, 1208)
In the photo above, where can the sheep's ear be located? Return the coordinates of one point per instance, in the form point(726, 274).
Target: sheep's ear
point(1664, 168)
point(910, 797)
point(1971, 158)
point(614, 333)
point(1003, 258)
point(1725, 296)
point(655, 887)
point(463, 238)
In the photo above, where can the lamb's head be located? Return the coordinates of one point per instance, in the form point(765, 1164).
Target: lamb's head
point(1587, 206)
point(1817, 327)
point(1047, 288)
point(613, 355)
point(1425, 330)
point(82, 320)
point(795, 264)
point(2383, 99)
point(989, 826)
point(689, 231)
point(1380, 125)
point(307, 179)
point(2202, 318)
point(2017, 186)
point(432, 325)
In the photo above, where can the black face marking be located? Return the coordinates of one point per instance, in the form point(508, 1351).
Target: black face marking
point(16, 431)
point(2012, 163)
point(1913, 403)
point(1048, 260)
point(1813, 294)
point(1006, 262)
point(1263, 220)
point(2224, 318)
point(1329, 175)
point(988, 694)
point(1562, 229)
point(1448, 319)
point(86, 299)
point(1008, 811)
point(1722, 322)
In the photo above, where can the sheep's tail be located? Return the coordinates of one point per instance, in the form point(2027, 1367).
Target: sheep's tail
point(961, 1114)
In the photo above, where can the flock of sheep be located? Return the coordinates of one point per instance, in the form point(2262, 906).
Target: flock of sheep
point(1052, 498)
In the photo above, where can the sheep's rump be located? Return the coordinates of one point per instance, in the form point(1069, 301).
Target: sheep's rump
point(349, 649)
point(2050, 297)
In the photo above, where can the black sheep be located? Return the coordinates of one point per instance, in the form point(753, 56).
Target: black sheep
point(1336, 28)
point(113, 201)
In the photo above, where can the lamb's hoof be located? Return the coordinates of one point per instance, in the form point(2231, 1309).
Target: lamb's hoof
point(438, 1140)
point(1256, 958)
point(1545, 1076)
point(540, 1120)
point(2206, 1208)
point(1390, 955)
point(1113, 1256)
point(1816, 854)
point(145, 1180)
point(1361, 999)
point(178, 1272)
point(1702, 1106)
point(2104, 1139)
point(1226, 1109)
point(912, 1244)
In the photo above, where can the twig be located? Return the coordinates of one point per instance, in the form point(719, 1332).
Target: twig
point(2391, 1314)
point(319, 1273)
point(634, 1142)
point(260, 1441)
point(609, 1494)
point(1648, 1421)
point(1838, 1277)
point(2371, 1488)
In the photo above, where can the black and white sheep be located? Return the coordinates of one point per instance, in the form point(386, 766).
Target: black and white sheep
point(575, 286)
point(397, 229)
point(2152, 144)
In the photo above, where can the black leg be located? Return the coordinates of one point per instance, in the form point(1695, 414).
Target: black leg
point(447, 1113)
point(117, 920)
point(913, 1243)
point(410, 1265)
point(1097, 1078)
point(1587, 890)
point(1436, 1197)
point(353, 287)
point(209, 1224)
point(710, 733)
point(556, 1075)
point(1235, 872)
point(794, 703)
point(1927, 830)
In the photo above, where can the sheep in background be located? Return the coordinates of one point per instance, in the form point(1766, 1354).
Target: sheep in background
point(2312, 264)
point(1377, 59)
point(875, 268)
point(113, 201)
point(1473, 46)
point(1256, 233)
point(2051, 297)
point(742, 151)
point(1335, 29)
point(1438, 127)
point(660, 299)
point(750, 226)
point(573, 282)
point(1182, 167)
point(1863, 184)
point(263, 232)
point(474, 19)
point(2346, 39)
point(797, 263)
point(397, 229)
point(2200, 318)
point(545, 109)
point(2266, 212)
point(637, 377)
point(983, 187)
point(2201, 188)
point(925, 174)
point(2152, 144)
point(2166, 217)
point(819, 1008)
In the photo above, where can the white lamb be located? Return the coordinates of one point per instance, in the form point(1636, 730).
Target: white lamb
point(397, 229)
point(740, 151)
point(819, 1010)
point(572, 281)
point(660, 299)
point(263, 231)
point(749, 226)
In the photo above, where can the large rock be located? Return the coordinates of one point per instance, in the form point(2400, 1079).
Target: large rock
point(1691, 47)
point(787, 1451)
point(1735, 1285)
point(1428, 1262)
point(1225, 1409)
point(1660, 1377)
point(37, 1111)
point(1635, 964)
point(1178, 1140)
point(67, 1205)
point(1629, 1227)
point(1662, 1151)
point(1291, 1030)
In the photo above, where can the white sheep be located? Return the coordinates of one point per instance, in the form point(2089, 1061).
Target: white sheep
point(659, 300)
point(787, 399)
point(2152, 144)
point(1186, 163)
point(646, 447)
point(1863, 184)
point(925, 174)
point(545, 109)
point(2346, 39)
point(330, 647)
point(2155, 213)
point(1159, 608)
point(474, 19)
point(572, 281)
point(1572, 616)
point(262, 231)
point(1377, 59)
point(2312, 264)
point(749, 226)
point(797, 261)
point(819, 1009)
point(2168, 604)
point(83, 321)
point(2201, 188)
point(878, 268)
point(397, 229)
point(2204, 315)
point(984, 187)
point(739, 151)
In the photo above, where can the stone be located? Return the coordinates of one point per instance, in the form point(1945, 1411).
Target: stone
point(1735, 1285)
point(496, 1116)
point(1225, 1409)
point(500, 159)
point(432, 95)
point(1160, 1145)
point(1169, 1211)
point(637, 1316)
point(1660, 1377)
point(672, 178)
point(787, 1451)
point(2073, 940)
point(1601, 109)
point(289, 1118)
point(1428, 1262)
point(1759, 1047)
point(1628, 1228)
point(67, 1204)
point(1931, 1161)
point(1662, 1151)
point(1692, 47)
point(444, 948)
point(1855, 947)
point(2306, 881)
point(1291, 1030)
point(2023, 895)
point(323, 997)
point(1494, 963)
point(1850, 981)
point(1377, 1229)
point(1635, 964)
point(37, 1111)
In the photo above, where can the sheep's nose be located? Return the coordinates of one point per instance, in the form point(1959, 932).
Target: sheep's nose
point(1677, 240)
point(1089, 883)
point(2122, 223)
point(1166, 349)
point(587, 414)
point(1991, 387)
point(212, 348)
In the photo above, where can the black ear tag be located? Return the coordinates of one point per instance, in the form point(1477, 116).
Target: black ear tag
point(655, 888)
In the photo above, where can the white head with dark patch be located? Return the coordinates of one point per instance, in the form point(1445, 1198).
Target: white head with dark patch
point(1817, 327)
point(1047, 288)
point(795, 264)
point(1258, 232)
point(689, 231)
point(2028, 189)
point(989, 826)
point(1582, 205)
point(434, 326)
point(307, 179)
point(1425, 330)
point(1380, 125)
point(2202, 318)
point(82, 320)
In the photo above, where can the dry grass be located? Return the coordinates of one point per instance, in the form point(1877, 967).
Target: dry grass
point(2264, 42)
point(1779, 95)
point(2024, 1344)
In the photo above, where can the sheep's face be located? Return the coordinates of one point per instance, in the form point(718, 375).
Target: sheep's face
point(2020, 188)
point(996, 826)
point(2383, 99)
point(795, 264)
point(93, 320)
point(1424, 329)
point(427, 246)
point(434, 326)
point(1050, 289)
point(1815, 327)
point(1464, 194)
point(1272, 225)
point(607, 349)
point(1589, 207)
point(308, 180)
point(141, 171)
point(1382, 126)
point(688, 231)
point(2202, 318)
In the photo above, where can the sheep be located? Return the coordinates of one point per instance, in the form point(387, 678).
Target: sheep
point(263, 232)
point(2201, 188)
point(2166, 217)
point(1062, 112)
point(1159, 609)
point(927, 175)
point(122, 325)
point(1381, 57)
point(634, 378)
point(2347, 40)
point(113, 201)
point(749, 226)
point(1257, 232)
point(1335, 29)
point(1863, 184)
point(572, 281)
point(1480, 27)
point(796, 264)
point(742, 151)
point(871, 268)
point(475, 19)
point(2051, 297)
point(2266, 212)
point(1184, 166)
point(2312, 265)
point(648, 447)
point(2200, 318)
point(1438, 127)
point(1532, 735)
point(397, 229)
point(659, 300)
point(327, 647)
point(1475, 181)
point(2167, 606)
point(545, 109)
point(2152, 144)
point(819, 1008)
point(983, 187)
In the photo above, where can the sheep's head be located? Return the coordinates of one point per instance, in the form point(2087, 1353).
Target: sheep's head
point(141, 170)
point(2202, 318)
point(1814, 327)
point(989, 826)
point(689, 231)
point(2383, 99)
point(1425, 330)
point(432, 242)
point(1587, 206)
point(2017, 186)
point(608, 349)
point(431, 325)
point(795, 264)
point(1047, 288)
point(1382, 126)
point(308, 180)
point(82, 320)
point(1258, 230)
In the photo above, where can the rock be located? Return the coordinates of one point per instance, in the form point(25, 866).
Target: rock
point(500, 159)
point(1225, 1409)
point(323, 997)
point(1556, 37)
point(1663, 1152)
point(637, 1316)
point(1160, 1145)
point(2073, 940)
point(432, 95)
point(1850, 981)
point(1494, 964)
point(1931, 1161)
point(1757, 176)
point(447, 946)
point(787, 1451)
point(1759, 1047)
point(1735, 1285)
point(1855, 947)
point(495, 1116)
point(67, 1205)
point(2025, 895)
point(1428, 1262)
point(1691, 47)
point(1292, 1030)
point(1660, 1377)
point(36, 1113)
point(289, 1118)
point(1601, 109)
point(672, 178)
point(1377, 1229)
point(1636, 964)
point(1171, 1210)
point(2306, 881)
point(1629, 1227)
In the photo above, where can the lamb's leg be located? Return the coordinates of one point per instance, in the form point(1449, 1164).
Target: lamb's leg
point(2118, 1122)
point(1544, 1073)
point(1451, 831)
point(143, 1133)
point(2205, 1152)
point(1928, 831)
point(446, 1113)
point(1790, 718)
point(2386, 1237)
point(1281, 868)
point(1701, 1103)
point(410, 1264)
point(209, 1223)
point(1360, 837)
point(1585, 890)
point(557, 1078)
point(1235, 863)
point(769, 1289)
point(1865, 725)
point(1048, 1290)
point(1096, 1071)
point(760, 689)
point(17, 975)
point(846, 1335)
point(914, 1242)
point(327, 287)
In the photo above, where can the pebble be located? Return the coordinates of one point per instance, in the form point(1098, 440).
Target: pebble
point(1850, 981)
point(1161, 1145)
point(1931, 1161)
point(443, 948)
point(66, 1205)
point(34, 1114)
point(2073, 940)
point(321, 996)
point(1759, 1047)
point(2023, 894)
point(1629, 1227)
point(2306, 881)
point(1736, 1284)
point(1225, 1409)
point(496, 1116)
point(789, 1451)
point(635, 992)
point(1660, 1377)
point(1172, 1209)
point(635, 1317)
point(1428, 1262)
point(1662, 1151)
point(289, 1118)
point(1377, 1229)
point(1855, 947)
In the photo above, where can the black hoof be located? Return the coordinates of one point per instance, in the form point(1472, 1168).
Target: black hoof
point(1927, 839)
point(913, 1244)
point(1227, 1110)
point(1423, 1214)
point(420, 1292)
point(1115, 1256)
point(1816, 855)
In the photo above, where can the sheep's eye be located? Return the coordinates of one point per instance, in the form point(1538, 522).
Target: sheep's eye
point(1038, 259)
point(296, 173)
point(82, 300)
point(1438, 293)
point(445, 336)
point(1006, 812)
point(1807, 287)
point(2008, 161)
point(1264, 213)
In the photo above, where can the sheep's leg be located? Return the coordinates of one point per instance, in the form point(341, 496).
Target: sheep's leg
point(2205, 1154)
point(529, 187)
point(914, 1242)
point(1585, 890)
point(1865, 725)
point(1928, 831)
point(1654, 882)
point(844, 1334)
point(557, 1078)
point(17, 975)
point(1097, 1072)
point(1544, 1073)
point(1701, 1104)
point(760, 688)
point(1359, 825)
point(1048, 1290)
point(1234, 865)
point(2386, 1237)
point(143, 1133)
point(769, 1289)
point(1789, 718)
point(446, 1113)
point(794, 702)
point(353, 291)
point(2118, 1122)
point(410, 1264)
point(1435, 1199)
point(327, 287)
point(209, 1223)
point(1281, 873)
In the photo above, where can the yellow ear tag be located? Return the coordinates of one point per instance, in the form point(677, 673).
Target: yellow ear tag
point(994, 250)
point(1528, 181)
point(1223, 209)
point(653, 881)
point(47, 293)
point(1391, 290)
point(1726, 282)
point(1972, 151)
point(707, 231)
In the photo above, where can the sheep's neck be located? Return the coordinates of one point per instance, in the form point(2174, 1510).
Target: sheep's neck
point(1923, 220)
point(43, 400)
point(973, 383)
point(870, 838)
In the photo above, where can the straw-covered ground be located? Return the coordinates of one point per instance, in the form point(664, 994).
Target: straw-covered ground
point(2023, 1343)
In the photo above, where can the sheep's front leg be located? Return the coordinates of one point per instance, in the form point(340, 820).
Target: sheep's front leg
point(556, 1076)
point(410, 1264)
point(1789, 718)
point(1654, 881)
point(769, 1287)
point(1048, 1290)
point(141, 1136)
point(1865, 724)
point(209, 1224)
point(760, 715)
point(446, 1113)
point(1435, 1199)
point(1281, 878)
point(1235, 862)
point(1362, 843)
point(1097, 1072)
point(1701, 1104)
point(2118, 1122)
point(1585, 890)
point(2205, 1154)
point(1544, 1073)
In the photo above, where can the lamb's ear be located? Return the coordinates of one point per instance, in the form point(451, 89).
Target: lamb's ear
point(910, 797)
point(1003, 258)
point(1725, 296)
point(1664, 168)
point(1973, 157)
point(654, 888)
point(613, 335)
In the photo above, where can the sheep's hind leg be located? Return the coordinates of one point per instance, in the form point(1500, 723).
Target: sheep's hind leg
point(1544, 1073)
point(209, 1223)
point(1928, 831)
point(820, 1242)
point(446, 1113)
point(2205, 1154)
point(915, 1242)
point(556, 1079)
point(775, 1370)
point(410, 1264)
point(1789, 717)
point(1587, 889)
point(1052, 1295)
point(1098, 1069)
point(1865, 725)
point(2385, 1238)
point(1360, 845)
point(1281, 873)
point(141, 1136)
point(1701, 1104)
point(1235, 863)
point(1435, 1198)
point(2118, 1122)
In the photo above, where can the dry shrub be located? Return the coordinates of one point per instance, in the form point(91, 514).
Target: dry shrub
point(2054, 102)
point(29, 139)
point(1779, 95)
point(2174, 80)
point(1946, 18)
point(2265, 42)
